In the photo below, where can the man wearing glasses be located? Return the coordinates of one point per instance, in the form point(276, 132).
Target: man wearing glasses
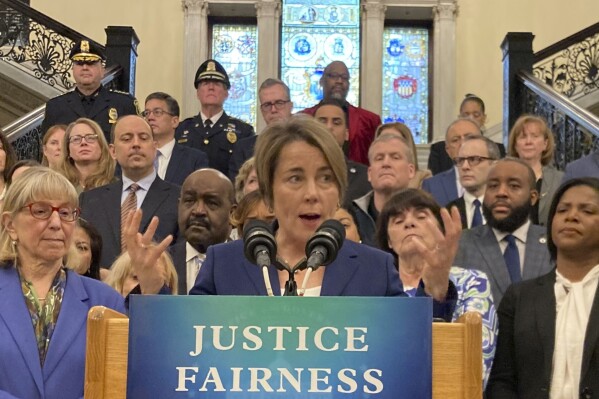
point(174, 162)
point(275, 106)
point(446, 187)
point(474, 161)
point(212, 130)
point(362, 123)
point(89, 99)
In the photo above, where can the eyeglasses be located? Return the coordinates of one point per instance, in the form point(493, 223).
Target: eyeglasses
point(472, 161)
point(157, 112)
point(278, 105)
point(43, 211)
point(335, 76)
point(89, 138)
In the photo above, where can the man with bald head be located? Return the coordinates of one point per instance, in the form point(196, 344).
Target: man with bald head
point(362, 124)
point(446, 187)
point(105, 207)
point(207, 200)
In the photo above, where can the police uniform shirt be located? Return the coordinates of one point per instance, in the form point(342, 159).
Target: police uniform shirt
point(104, 107)
point(218, 141)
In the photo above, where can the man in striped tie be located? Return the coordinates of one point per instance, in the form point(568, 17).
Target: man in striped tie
point(106, 207)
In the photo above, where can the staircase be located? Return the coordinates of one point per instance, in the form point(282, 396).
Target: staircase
point(35, 66)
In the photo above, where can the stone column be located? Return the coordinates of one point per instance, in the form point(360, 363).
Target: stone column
point(195, 51)
point(444, 69)
point(268, 15)
point(373, 24)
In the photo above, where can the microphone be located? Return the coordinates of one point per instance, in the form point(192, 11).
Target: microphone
point(260, 247)
point(323, 246)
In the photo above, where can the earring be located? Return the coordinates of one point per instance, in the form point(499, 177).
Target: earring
point(13, 244)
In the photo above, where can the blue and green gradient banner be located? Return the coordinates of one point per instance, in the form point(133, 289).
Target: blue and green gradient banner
point(279, 347)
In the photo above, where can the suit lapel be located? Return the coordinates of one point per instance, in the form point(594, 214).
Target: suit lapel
point(176, 158)
point(339, 273)
point(491, 253)
point(219, 126)
point(449, 185)
point(254, 274)
point(112, 210)
point(461, 204)
point(545, 316)
point(591, 336)
point(15, 315)
point(536, 254)
point(72, 318)
point(152, 201)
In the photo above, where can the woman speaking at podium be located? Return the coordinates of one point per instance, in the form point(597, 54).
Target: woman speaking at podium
point(302, 175)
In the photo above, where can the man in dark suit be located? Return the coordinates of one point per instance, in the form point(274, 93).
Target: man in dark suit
point(331, 113)
point(174, 161)
point(446, 187)
point(134, 150)
point(508, 248)
point(475, 158)
point(275, 106)
point(207, 200)
point(439, 161)
point(212, 130)
point(89, 99)
point(587, 166)
point(362, 123)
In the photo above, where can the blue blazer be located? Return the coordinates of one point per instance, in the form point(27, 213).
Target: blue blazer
point(442, 187)
point(584, 167)
point(359, 270)
point(62, 374)
point(184, 160)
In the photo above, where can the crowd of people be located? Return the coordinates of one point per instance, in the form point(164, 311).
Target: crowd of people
point(127, 204)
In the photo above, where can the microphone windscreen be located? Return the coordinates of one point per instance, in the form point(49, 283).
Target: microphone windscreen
point(257, 235)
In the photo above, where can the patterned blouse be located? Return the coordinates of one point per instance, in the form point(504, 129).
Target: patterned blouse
point(474, 295)
point(44, 312)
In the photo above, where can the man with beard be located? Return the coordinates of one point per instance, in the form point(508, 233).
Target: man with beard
point(362, 123)
point(207, 200)
point(508, 248)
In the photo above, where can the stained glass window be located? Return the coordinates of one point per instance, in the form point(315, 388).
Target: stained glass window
point(315, 33)
point(235, 47)
point(406, 79)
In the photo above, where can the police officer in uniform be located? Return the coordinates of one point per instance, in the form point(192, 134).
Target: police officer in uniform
point(89, 99)
point(212, 130)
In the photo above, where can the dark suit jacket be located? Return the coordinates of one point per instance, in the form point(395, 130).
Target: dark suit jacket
point(184, 160)
point(461, 205)
point(108, 107)
point(243, 151)
point(439, 161)
point(480, 250)
point(552, 179)
point(359, 270)
point(357, 182)
point(584, 167)
point(102, 208)
point(442, 187)
point(177, 252)
point(62, 374)
point(524, 357)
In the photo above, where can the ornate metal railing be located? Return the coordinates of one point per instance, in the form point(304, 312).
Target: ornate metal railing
point(37, 44)
point(571, 66)
point(576, 130)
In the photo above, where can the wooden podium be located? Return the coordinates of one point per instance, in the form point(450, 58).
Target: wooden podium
point(457, 356)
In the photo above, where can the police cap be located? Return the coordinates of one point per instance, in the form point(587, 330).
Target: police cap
point(212, 70)
point(84, 50)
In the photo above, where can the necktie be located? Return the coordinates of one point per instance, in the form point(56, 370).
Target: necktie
point(128, 205)
point(207, 123)
point(156, 160)
point(512, 259)
point(477, 218)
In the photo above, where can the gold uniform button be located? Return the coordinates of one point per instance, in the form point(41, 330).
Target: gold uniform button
point(206, 141)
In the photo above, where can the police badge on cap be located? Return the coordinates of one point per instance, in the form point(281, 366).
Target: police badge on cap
point(212, 70)
point(87, 51)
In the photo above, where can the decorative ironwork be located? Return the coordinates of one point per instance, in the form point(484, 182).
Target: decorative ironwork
point(29, 144)
point(572, 141)
point(36, 48)
point(574, 72)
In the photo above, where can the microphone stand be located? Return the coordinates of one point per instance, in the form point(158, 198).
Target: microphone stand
point(291, 284)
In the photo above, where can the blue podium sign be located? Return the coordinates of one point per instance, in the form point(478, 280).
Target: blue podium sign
point(279, 347)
